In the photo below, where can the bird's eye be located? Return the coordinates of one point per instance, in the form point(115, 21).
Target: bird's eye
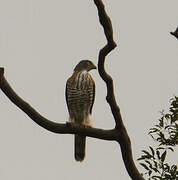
point(88, 63)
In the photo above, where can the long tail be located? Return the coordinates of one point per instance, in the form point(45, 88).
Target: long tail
point(80, 142)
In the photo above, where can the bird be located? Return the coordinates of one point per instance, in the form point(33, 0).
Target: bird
point(80, 96)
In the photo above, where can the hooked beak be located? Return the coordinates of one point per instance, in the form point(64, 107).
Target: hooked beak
point(94, 67)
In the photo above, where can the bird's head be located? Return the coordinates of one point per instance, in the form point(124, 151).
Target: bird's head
point(84, 65)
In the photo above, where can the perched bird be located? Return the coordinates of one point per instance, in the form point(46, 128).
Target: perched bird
point(80, 95)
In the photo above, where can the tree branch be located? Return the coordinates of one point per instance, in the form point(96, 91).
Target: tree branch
point(68, 128)
point(175, 33)
point(118, 134)
point(124, 141)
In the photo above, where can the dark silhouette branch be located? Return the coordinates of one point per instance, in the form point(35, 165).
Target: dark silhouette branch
point(68, 128)
point(119, 133)
point(175, 33)
point(124, 141)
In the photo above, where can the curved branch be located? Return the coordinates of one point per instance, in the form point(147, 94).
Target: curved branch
point(124, 141)
point(68, 128)
point(118, 134)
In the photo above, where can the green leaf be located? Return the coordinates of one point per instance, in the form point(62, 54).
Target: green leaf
point(153, 130)
point(148, 162)
point(147, 153)
point(145, 166)
point(152, 151)
point(161, 135)
point(142, 158)
point(156, 164)
point(174, 168)
point(167, 127)
point(167, 116)
point(157, 177)
point(150, 172)
point(160, 148)
point(166, 167)
point(161, 122)
point(163, 156)
point(155, 169)
point(158, 126)
point(158, 154)
point(170, 148)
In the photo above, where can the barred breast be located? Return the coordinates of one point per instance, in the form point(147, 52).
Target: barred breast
point(80, 94)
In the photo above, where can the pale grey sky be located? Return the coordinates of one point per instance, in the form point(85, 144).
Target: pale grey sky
point(40, 43)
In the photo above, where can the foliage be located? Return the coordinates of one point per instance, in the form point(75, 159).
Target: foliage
point(166, 134)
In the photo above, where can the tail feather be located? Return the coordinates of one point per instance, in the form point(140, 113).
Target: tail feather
point(80, 142)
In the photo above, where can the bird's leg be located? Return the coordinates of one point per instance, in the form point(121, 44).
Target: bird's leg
point(87, 123)
point(69, 124)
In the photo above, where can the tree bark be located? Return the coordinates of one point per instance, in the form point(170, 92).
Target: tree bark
point(118, 134)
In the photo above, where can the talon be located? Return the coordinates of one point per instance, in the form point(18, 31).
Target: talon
point(68, 124)
point(86, 126)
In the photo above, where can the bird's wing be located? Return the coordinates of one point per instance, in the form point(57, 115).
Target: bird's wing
point(93, 95)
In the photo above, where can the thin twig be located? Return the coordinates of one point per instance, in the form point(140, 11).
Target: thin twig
point(175, 33)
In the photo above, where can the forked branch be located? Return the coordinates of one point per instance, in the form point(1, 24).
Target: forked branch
point(118, 134)
point(175, 33)
point(124, 141)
